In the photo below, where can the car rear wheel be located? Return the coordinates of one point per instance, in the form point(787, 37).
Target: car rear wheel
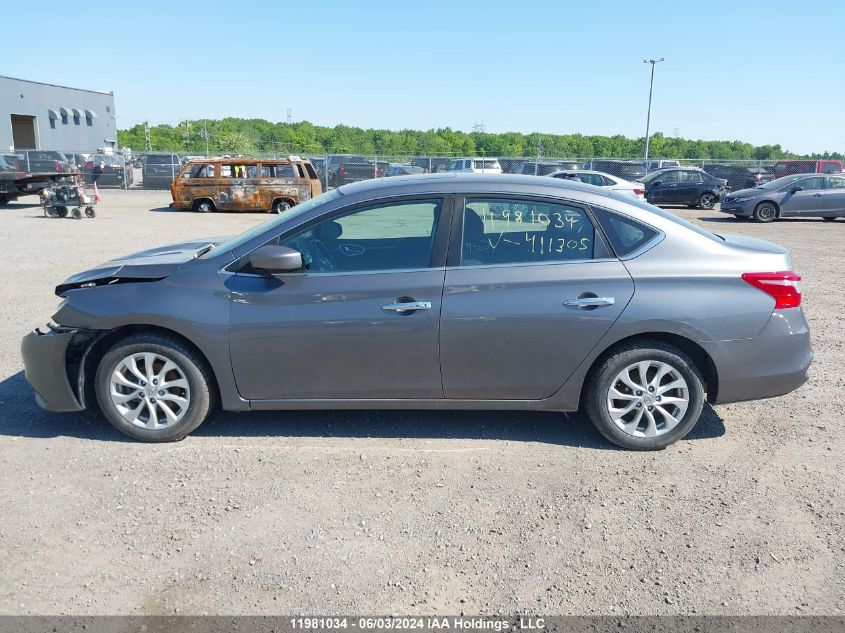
point(645, 396)
point(707, 200)
point(765, 212)
point(280, 206)
point(203, 206)
point(154, 388)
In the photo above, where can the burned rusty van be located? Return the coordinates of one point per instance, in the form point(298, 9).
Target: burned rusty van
point(244, 184)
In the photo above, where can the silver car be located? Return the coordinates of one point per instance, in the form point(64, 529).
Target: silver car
point(634, 190)
point(446, 291)
point(811, 195)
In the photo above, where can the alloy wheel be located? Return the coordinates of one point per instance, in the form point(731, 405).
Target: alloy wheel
point(648, 398)
point(150, 391)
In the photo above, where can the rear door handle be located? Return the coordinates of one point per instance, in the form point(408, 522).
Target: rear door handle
point(590, 302)
point(409, 306)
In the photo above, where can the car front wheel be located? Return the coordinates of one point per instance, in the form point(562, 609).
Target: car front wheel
point(154, 388)
point(645, 396)
point(765, 212)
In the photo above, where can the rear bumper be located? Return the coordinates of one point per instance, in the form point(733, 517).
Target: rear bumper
point(45, 364)
point(773, 363)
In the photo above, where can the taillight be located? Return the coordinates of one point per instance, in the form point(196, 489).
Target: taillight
point(58, 166)
point(377, 172)
point(782, 286)
point(341, 170)
point(639, 192)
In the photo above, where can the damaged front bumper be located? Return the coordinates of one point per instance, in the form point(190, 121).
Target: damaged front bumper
point(45, 359)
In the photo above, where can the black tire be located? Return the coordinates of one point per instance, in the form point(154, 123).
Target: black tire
point(603, 375)
point(765, 212)
point(203, 205)
point(201, 394)
point(50, 212)
point(707, 200)
point(76, 213)
point(280, 206)
point(4, 199)
point(90, 213)
point(61, 212)
point(830, 218)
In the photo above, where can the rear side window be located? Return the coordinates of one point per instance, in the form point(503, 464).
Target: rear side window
point(507, 231)
point(625, 235)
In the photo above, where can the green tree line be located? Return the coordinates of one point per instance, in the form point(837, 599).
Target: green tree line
point(250, 136)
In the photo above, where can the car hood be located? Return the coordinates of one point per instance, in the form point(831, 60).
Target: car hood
point(150, 265)
point(745, 192)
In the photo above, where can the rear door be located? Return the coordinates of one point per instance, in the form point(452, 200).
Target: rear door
point(530, 289)
point(834, 196)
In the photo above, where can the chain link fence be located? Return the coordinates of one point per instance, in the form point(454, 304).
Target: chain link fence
point(156, 170)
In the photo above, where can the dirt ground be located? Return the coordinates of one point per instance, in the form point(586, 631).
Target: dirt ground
point(412, 512)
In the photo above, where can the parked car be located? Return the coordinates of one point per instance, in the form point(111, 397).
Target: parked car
point(40, 160)
point(509, 165)
point(107, 170)
point(345, 168)
point(431, 164)
point(404, 170)
point(627, 170)
point(533, 168)
point(160, 168)
point(245, 184)
point(599, 179)
point(15, 161)
point(535, 311)
point(812, 195)
point(739, 176)
point(475, 165)
point(652, 165)
point(788, 167)
point(686, 185)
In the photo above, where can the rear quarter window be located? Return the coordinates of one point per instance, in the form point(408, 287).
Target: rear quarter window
point(625, 235)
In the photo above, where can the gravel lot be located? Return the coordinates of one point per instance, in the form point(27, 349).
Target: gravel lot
point(412, 512)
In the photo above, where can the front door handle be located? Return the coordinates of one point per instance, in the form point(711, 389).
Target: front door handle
point(817, 195)
point(409, 306)
point(590, 302)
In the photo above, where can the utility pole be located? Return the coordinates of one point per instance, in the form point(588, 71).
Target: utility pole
point(289, 116)
point(539, 153)
point(653, 62)
point(205, 135)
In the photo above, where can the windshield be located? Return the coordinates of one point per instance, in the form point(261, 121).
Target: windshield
point(780, 182)
point(246, 236)
point(486, 164)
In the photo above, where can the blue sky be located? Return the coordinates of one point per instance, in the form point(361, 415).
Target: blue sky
point(759, 71)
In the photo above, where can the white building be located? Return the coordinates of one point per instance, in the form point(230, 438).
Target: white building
point(35, 115)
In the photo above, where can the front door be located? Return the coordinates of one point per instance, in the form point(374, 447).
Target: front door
point(663, 189)
point(530, 289)
point(808, 201)
point(360, 321)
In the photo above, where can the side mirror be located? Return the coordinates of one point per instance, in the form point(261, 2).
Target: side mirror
point(796, 189)
point(275, 259)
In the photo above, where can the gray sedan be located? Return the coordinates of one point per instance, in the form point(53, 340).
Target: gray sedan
point(816, 195)
point(448, 291)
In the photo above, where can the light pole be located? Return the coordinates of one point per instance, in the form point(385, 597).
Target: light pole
point(648, 116)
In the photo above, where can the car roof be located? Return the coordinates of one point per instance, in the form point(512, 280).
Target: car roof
point(458, 182)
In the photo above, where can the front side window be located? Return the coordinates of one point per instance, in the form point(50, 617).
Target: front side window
point(507, 231)
point(669, 176)
point(810, 184)
point(390, 236)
